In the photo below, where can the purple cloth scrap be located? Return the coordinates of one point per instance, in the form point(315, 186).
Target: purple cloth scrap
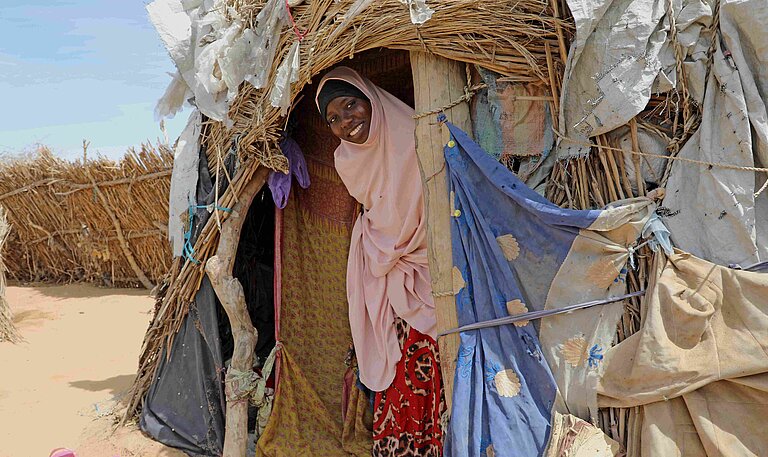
point(280, 183)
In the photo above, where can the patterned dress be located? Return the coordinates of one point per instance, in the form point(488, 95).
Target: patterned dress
point(406, 418)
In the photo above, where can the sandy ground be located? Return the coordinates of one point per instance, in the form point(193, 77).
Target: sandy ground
point(61, 387)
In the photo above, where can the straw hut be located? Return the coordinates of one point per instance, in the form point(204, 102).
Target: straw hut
point(500, 70)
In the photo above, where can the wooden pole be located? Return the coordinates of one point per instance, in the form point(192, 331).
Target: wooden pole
point(636, 158)
point(230, 293)
point(559, 30)
point(438, 82)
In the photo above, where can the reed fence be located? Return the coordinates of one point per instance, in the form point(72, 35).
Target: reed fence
point(90, 220)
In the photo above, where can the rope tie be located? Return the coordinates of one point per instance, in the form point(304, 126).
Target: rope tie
point(249, 385)
point(469, 92)
point(298, 33)
point(188, 251)
point(447, 293)
point(633, 249)
point(725, 166)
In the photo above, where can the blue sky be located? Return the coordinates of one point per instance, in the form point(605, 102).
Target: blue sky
point(80, 69)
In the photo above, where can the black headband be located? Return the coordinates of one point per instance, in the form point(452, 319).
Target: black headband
point(334, 88)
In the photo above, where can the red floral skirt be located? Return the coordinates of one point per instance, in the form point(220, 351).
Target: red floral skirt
point(406, 418)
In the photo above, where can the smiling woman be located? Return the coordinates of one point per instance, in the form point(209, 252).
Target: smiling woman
point(391, 309)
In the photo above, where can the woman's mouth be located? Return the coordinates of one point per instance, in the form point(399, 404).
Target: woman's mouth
point(356, 130)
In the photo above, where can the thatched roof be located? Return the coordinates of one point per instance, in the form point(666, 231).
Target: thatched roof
point(523, 40)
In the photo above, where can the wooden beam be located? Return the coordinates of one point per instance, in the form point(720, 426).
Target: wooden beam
point(119, 232)
point(230, 293)
point(438, 82)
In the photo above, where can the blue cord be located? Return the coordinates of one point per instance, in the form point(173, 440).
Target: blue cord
point(189, 249)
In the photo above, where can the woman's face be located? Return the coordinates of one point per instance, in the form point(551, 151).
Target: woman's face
point(349, 118)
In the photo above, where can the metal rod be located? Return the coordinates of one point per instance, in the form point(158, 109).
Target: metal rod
point(538, 314)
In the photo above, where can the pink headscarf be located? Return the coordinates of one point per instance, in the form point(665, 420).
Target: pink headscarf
point(387, 270)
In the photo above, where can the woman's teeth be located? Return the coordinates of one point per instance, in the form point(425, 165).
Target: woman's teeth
point(356, 130)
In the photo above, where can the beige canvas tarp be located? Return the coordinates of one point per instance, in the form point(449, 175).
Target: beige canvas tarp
point(698, 367)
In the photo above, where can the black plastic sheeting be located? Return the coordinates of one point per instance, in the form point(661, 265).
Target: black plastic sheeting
point(185, 404)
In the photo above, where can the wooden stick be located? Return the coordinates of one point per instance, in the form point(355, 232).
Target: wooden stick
point(593, 181)
point(607, 176)
point(116, 182)
point(623, 173)
point(129, 236)
point(636, 158)
point(559, 31)
point(613, 169)
point(28, 187)
point(230, 292)
point(553, 87)
point(582, 178)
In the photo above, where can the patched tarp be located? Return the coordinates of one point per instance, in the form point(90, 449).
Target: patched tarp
point(720, 219)
point(622, 52)
point(514, 252)
point(698, 365)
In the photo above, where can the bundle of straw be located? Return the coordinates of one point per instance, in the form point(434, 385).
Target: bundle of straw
point(8, 331)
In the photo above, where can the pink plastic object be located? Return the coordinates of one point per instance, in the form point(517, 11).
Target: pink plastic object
point(62, 452)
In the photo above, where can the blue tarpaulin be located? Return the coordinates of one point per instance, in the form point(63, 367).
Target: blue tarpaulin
point(515, 252)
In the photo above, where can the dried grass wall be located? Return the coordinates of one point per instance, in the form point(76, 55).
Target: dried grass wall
point(7, 329)
point(91, 220)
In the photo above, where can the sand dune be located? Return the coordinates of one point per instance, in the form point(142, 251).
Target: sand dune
point(60, 388)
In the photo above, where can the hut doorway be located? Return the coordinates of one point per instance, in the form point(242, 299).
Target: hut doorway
point(317, 407)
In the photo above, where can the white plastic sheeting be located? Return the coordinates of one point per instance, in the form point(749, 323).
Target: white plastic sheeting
point(174, 97)
point(720, 219)
point(287, 74)
point(420, 12)
point(214, 52)
point(186, 158)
